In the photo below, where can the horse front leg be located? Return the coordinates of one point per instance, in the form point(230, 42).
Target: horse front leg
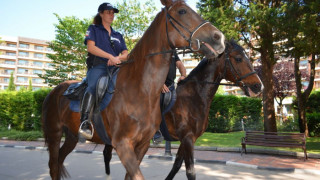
point(127, 155)
point(107, 155)
point(189, 156)
point(177, 163)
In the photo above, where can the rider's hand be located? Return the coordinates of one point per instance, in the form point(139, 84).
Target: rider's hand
point(114, 61)
point(181, 78)
point(165, 89)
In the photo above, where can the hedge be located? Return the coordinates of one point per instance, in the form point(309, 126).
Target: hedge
point(22, 110)
point(313, 120)
point(228, 112)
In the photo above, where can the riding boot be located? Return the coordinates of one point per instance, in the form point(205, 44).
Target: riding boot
point(85, 108)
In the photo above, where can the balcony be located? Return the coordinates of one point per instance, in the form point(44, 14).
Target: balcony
point(9, 48)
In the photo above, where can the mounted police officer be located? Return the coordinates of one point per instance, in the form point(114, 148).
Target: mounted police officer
point(106, 48)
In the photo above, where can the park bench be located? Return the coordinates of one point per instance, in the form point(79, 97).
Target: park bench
point(274, 139)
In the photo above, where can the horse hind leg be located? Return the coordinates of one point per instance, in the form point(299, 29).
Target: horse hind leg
point(107, 155)
point(67, 147)
point(53, 140)
point(177, 163)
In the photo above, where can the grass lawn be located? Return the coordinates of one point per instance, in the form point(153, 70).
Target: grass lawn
point(232, 139)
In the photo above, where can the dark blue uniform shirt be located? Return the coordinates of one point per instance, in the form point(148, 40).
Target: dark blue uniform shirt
point(113, 45)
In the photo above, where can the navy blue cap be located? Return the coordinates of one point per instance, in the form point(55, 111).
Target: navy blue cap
point(107, 6)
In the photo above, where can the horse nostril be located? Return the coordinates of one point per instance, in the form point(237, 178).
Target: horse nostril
point(216, 36)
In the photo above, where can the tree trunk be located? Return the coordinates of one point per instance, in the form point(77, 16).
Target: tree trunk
point(268, 94)
point(302, 98)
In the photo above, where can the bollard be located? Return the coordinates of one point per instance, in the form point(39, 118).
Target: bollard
point(168, 149)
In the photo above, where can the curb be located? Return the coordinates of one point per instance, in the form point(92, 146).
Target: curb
point(249, 150)
point(171, 158)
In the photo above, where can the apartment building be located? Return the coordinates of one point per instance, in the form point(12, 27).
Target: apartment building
point(25, 58)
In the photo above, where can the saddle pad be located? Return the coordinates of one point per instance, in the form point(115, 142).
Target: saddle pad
point(75, 104)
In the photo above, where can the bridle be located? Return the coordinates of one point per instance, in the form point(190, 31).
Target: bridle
point(235, 74)
point(171, 19)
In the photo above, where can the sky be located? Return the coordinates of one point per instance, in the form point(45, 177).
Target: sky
point(35, 18)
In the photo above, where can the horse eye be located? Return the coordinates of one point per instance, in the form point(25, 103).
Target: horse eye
point(182, 11)
point(238, 59)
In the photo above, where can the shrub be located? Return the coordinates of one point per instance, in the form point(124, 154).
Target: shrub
point(289, 125)
point(5, 120)
point(228, 112)
point(313, 124)
point(22, 109)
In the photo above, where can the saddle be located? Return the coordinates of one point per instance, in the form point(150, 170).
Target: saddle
point(76, 90)
point(104, 91)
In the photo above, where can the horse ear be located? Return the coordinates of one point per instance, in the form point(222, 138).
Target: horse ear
point(166, 3)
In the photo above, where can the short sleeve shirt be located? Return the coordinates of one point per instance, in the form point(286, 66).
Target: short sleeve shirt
point(172, 70)
point(113, 44)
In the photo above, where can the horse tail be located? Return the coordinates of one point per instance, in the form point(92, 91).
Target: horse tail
point(52, 127)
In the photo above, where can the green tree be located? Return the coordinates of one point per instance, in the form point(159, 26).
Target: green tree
point(30, 85)
point(256, 24)
point(70, 51)
point(11, 86)
point(303, 41)
point(133, 19)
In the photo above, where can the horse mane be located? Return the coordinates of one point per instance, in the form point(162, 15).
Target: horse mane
point(195, 71)
point(139, 49)
point(231, 44)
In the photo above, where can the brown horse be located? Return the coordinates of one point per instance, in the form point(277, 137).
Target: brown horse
point(188, 119)
point(133, 115)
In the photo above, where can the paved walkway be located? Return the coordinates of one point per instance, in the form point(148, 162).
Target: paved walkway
point(228, 156)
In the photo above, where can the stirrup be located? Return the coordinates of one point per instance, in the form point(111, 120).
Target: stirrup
point(158, 140)
point(85, 134)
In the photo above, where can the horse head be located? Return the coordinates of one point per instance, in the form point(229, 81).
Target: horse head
point(198, 35)
point(238, 69)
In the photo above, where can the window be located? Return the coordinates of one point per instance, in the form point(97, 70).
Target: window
point(10, 53)
point(37, 55)
point(37, 71)
point(11, 45)
point(50, 65)
point(37, 80)
point(23, 62)
point(26, 46)
point(23, 54)
point(38, 64)
point(22, 71)
point(8, 71)
point(39, 47)
point(6, 80)
point(22, 79)
point(49, 49)
point(9, 62)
